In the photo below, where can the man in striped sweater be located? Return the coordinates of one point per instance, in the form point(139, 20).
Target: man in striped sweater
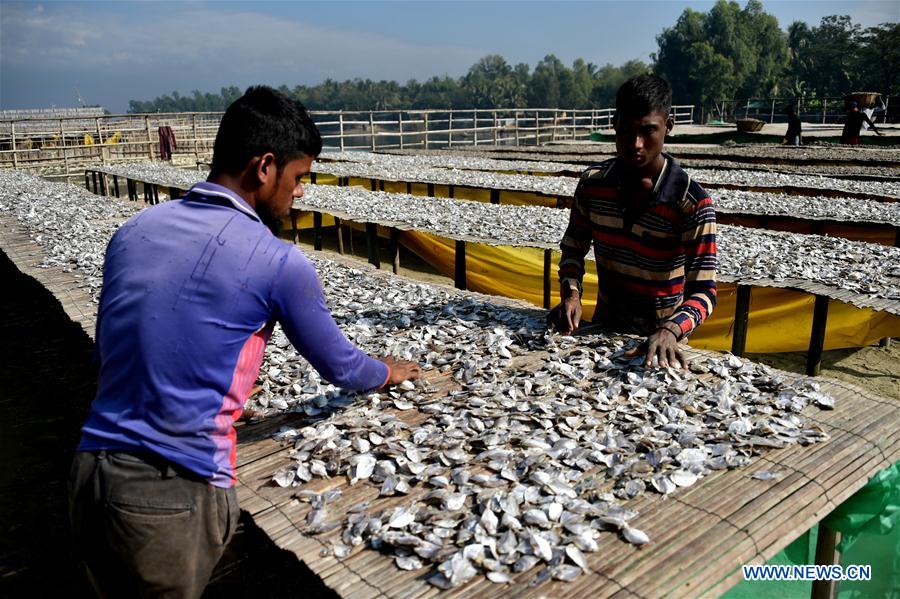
point(653, 231)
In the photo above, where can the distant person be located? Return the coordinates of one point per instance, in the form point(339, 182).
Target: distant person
point(792, 137)
point(853, 123)
point(653, 229)
point(872, 110)
point(191, 292)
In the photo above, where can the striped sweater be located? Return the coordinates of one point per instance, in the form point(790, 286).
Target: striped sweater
point(655, 267)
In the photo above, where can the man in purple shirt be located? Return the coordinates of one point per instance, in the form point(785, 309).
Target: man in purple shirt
point(191, 291)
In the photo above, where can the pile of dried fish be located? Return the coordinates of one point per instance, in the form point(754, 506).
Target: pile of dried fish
point(731, 201)
point(869, 270)
point(843, 210)
point(453, 161)
point(786, 154)
point(71, 224)
point(515, 467)
point(768, 179)
point(155, 172)
point(754, 178)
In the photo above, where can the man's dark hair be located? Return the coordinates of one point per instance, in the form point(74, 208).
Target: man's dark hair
point(644, 94)
point(264, 120)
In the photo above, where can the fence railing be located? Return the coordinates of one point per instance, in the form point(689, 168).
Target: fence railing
point(772, 110)
point(61, 147)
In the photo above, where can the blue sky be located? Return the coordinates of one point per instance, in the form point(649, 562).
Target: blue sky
point(117, 51)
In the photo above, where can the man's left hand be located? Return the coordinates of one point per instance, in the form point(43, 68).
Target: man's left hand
point(663, 345)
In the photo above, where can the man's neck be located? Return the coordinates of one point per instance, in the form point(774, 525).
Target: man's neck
point(236, 184)
point(634, 176)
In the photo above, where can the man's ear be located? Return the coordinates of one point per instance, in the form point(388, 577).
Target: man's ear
point(670, 124)
point(265, 168)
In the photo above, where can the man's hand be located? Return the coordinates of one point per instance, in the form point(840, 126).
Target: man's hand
point(664, 346)
point(401, 370)
point(566, 316)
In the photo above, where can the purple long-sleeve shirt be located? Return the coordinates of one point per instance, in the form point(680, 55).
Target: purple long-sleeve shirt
point(191, 291)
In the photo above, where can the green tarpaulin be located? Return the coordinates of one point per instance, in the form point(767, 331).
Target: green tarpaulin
point(869, 523)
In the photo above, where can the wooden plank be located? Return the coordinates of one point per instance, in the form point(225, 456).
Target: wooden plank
point(459, 261)
point(741, 320)
point(817, 335)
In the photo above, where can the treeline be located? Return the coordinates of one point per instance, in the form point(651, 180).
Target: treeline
point(726, 53)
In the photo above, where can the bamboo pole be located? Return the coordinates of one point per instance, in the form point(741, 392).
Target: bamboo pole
point(372, 129)
point(495, 128)
point(341, 128)
point(15, 150)
point(517, 128)
point(400, 126)
point(149, 137)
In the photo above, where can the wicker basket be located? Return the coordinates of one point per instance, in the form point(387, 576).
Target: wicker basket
point(864, 99)
point(749, 125)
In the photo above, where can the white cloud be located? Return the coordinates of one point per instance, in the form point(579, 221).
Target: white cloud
point(233, 45)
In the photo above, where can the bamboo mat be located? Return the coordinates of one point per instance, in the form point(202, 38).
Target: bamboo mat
point(699, 536)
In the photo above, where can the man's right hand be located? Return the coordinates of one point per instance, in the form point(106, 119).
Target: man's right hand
point(566, 316)
point(401, 370)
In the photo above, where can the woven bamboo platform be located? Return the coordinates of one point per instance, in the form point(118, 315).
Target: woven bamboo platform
point(700, 536)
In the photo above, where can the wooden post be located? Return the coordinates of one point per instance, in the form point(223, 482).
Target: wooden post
point(741, 319)
point(409, 191)
point(450, 191)
point(574, 123)
point(826, 555)
point(771, 119)
point(94, 182)
point(341, 128)
point(475, 127)
point(149, 137)
point(87, 180)
point(537, 128)
point(495, 128)
point(554, 125)
point(372, 244)
point(548, 257)
point(495, 196)
point(425, 117)
point(817, 336)
point(340, 235)
point(373, 184)
point(12, 131)
point(381, 185)
point(317, 231)
point(400, 123)
point(459, 271)
point(824, 109)
point(116, 185)
point(450, 129)
point(372, 129)
point(62, 140)
point(517, 128)
point(100, 140)
point(294, 229)
point(747, 108)
point(194, 134)
point(395, 249)
point(430, 190)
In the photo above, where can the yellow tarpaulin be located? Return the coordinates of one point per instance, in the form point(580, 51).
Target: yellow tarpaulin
point(780, 319)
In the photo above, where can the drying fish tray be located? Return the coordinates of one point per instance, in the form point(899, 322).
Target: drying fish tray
point(701, 536)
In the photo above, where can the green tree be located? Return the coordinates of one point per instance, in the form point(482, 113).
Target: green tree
point(878, 64)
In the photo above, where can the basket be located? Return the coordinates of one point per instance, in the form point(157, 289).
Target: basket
point(749, 125)
point(864, 99)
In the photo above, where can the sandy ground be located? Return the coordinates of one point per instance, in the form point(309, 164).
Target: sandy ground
point(874, 368)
